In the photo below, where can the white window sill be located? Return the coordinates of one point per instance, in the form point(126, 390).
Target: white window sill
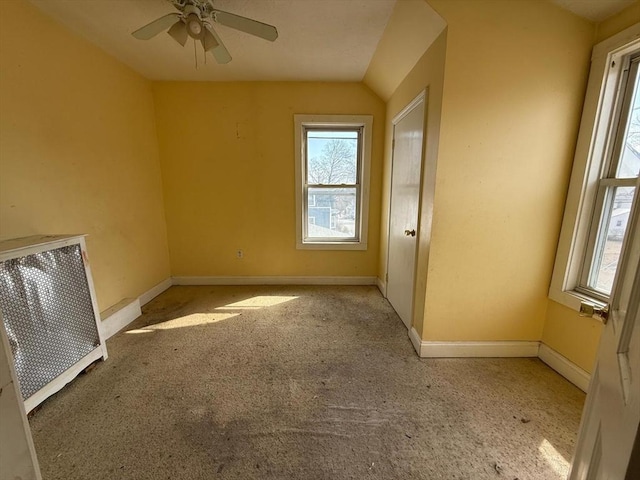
point(573, 299)
point(331, 246)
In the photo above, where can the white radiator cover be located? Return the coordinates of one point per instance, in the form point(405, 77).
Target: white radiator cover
point(49, 312)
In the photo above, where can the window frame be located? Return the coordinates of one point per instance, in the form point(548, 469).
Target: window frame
point(304, 123)
point(591, 167)
point(609, 180)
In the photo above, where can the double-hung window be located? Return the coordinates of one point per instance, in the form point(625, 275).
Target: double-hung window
point(602, 201)
point(332, 181)
point(616, 190)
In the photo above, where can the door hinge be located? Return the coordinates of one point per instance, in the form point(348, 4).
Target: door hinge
point(386, 277)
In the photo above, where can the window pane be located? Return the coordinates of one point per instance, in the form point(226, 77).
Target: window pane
point(332, 157)
point(609, 243)
point(630, 162)
point(331, 213)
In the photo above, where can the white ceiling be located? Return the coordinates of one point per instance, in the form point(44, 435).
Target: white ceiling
point(594, 10)
point(319, 40)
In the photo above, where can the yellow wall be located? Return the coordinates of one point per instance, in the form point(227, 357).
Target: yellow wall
point(514, 80)
point(78, 152)
point(618, 22)
point(565, 331)
point(515, 77)
point(227, 157)
point(575, 337)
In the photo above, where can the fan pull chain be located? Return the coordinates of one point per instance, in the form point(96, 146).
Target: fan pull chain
point(195, 52)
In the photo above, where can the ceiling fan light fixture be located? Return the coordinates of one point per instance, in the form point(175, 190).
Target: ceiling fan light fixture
point(194, 26)
point(179, 32)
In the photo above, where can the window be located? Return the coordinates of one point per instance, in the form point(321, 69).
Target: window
point(332, 181)
point(616, 190)
point(602, 194)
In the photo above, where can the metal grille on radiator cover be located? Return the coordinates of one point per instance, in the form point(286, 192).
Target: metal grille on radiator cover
point(47, 314)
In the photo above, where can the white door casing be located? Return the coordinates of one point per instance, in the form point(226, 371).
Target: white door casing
point(408, 133)
point(612, 411)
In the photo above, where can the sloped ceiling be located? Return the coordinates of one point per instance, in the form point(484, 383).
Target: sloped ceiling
point(411, 30)
point(319, 40)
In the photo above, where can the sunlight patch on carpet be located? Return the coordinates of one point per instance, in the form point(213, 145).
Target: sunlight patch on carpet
point(224, 313)
point(259, 301)
point(554, 459)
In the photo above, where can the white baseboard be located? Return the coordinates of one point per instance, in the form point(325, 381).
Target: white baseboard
point(553, 359)
point(119, 316)
point(153, 292)
point(126, 311)
point(479, 349)
point(426, 349)
point(274, 280)
point(564, 367)
point(416, 341)
point(382, 286)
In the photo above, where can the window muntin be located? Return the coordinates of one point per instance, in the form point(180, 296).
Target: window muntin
point(333, 158)
point(615, 193)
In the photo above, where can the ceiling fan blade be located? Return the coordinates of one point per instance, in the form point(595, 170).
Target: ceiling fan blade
point(155, 27)
point(220, 52)
point(179, 32)
point(244, 24)
point(208, 40)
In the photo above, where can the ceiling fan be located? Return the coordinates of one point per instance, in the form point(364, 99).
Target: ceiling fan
point(196, 18)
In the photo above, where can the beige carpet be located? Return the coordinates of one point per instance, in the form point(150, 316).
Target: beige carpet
point(300, 383)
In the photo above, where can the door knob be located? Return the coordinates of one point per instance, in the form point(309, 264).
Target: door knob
point(410, 233)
